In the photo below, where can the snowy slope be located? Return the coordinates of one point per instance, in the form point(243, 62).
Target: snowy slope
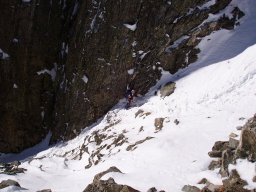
point(211, 95)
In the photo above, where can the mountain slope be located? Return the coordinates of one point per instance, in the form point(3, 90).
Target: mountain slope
point(210, 98)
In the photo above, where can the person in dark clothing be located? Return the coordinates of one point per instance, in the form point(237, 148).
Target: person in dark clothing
point(129, 96)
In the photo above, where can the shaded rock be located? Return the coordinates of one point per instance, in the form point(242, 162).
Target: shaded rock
point(45, 190)
point(153, 189)
point(247, 145)
point(134, 146)
point(234, 183)
point(159, 123)
point(101, 174)
point(11, 168)
point(108, 186)
point(214, 165)
point(140, 111)
point(233, 143)
point(233, 135)
point(9, 182)
point(220, 146)
point(167, 89)
point(176, 121)
point(226, 159)
point(189, 188)
point(203, 181)
point(215, 154)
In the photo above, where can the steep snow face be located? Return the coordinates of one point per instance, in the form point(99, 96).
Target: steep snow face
point(210, 98)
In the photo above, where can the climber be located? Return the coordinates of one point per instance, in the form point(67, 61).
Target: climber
point(129, 96)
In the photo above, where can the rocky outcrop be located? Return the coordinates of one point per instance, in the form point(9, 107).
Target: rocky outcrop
point(107, 185)
point(227, 153)
point(66, 63)
point(11, 168)
point(7, 183)
point(167, 89)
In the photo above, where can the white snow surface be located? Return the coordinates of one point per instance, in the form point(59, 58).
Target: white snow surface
point(132, 27)
point(85, 79)
point(210, 97)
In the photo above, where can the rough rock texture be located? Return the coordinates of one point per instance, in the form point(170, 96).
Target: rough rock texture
point(109, 185)
point(67, 62)
point(167, 89)
point(7, 183)
point(11, 168)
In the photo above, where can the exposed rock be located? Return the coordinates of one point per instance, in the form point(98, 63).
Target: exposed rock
point(231, 151)
point(153, 189)
point(134, 146)
point(108, 186)
point(247, 145)
point(254, 179)
point(214, 165)
point(234, 183)
point(176, 121)
point(9, 182)
point(167, 89)
point(140, 111)
point(220, 146)
point(11, 168)
point(45, 190)
point(233, 135)
point(159, 123)
point(99, 175)
point(226, 159)
point(215, 154)
point(189, 188)
point(233, 143)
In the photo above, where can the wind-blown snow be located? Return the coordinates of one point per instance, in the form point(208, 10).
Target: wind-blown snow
point(211, 96)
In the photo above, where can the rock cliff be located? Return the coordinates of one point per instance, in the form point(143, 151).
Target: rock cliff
point(65, 63)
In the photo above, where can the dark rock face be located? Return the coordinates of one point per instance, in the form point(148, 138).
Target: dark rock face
point(29, 33)
point(70, 61)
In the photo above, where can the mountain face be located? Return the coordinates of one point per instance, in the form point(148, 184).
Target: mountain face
point(65, 63)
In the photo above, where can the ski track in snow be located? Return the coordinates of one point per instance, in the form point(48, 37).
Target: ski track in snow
point(211, 95)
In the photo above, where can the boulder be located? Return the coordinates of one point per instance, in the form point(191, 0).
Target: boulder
point(247, 145)
point(189, 188)
point(226, 159)
point(167, 89)
point(9, 182)
point(159, 123)
point(233, 143)
point(234, 183)
point(220, 146)
point(108, 186)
